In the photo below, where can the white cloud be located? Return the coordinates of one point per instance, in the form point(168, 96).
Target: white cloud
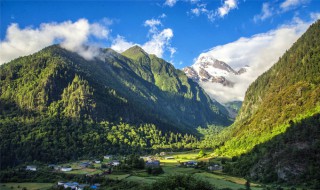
point(289, 4)
point(152, 23)
point(202, 9)
point(195, 11)
point(71, 35)
point(170, 3)
point(315, 16)
point(172, 51)
point(260, 52)
point(163, 15)
point(158, 43)
point(265, 13)
point(120, 44)
point(227, 6)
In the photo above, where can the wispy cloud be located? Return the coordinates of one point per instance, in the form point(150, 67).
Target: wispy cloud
point(158, 43)
point(260, 52)
point(170, 3)
point(220, 12)
point(266, 12)
point(120, 44)
point(152, 23)
point(227, 6)
point(290, 4)
point(70, 35)
point(271, 9)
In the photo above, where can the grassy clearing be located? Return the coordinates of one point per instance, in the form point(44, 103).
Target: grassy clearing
point(142, 180)
point(223, 181)
point(118, 177)
point(28, 186)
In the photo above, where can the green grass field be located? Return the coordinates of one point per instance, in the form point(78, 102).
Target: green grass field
point(28, 186)
point(170, 167)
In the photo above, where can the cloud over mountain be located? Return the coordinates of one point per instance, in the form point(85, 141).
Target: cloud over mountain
point(158, 43)
point(260, 52)
point(71, 35)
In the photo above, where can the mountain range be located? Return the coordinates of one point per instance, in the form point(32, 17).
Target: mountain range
point(57, 95)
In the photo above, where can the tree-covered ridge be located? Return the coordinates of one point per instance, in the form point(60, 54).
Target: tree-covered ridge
point(288, 91)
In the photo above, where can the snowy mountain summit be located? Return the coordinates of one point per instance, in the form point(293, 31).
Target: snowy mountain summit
point(208, 69)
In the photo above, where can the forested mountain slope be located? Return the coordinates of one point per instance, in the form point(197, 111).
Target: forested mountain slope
point(291, 157)
point(289, 91)
point(55, 104)
point(278, 125)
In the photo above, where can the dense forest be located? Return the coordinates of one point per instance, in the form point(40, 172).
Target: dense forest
point(292, 157)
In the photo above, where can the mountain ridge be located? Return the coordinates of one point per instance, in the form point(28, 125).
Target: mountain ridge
point(128, 105)
point(271, 135)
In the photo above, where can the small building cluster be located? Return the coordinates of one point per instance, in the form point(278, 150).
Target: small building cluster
point(190, 163)
point(77, 186)
point(215, 167)
point(152, 163)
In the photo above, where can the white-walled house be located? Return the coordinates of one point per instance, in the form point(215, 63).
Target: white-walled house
point(107, 157)
point(66, 169)
point(31, 168)
point(115, 163)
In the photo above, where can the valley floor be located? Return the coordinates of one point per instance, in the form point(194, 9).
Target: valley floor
point(169, 163)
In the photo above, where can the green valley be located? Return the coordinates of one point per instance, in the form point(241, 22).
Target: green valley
point(62, 116)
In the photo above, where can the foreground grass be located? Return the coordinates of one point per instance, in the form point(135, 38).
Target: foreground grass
point(28, 186)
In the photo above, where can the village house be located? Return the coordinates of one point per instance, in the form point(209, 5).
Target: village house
point(162, 153)
point(153, 163)
point(169, 158)
point(115, 163)
point(66, 168)
point(146, 157)
point(107, 157)
point(84, 164)
point(31, 168)
point(72, 185)
point(52, 166)
point(215, 167)
point(190, 163)
point(97, 161)
point(61, 183)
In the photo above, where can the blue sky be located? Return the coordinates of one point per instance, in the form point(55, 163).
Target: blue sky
point(178, 31)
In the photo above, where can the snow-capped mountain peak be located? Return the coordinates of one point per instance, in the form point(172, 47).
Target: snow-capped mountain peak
point(207, 69)
point(213, 66)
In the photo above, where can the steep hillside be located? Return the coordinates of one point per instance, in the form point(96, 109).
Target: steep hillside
point(289, 91)
point(111, 103)
point(291, 157)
